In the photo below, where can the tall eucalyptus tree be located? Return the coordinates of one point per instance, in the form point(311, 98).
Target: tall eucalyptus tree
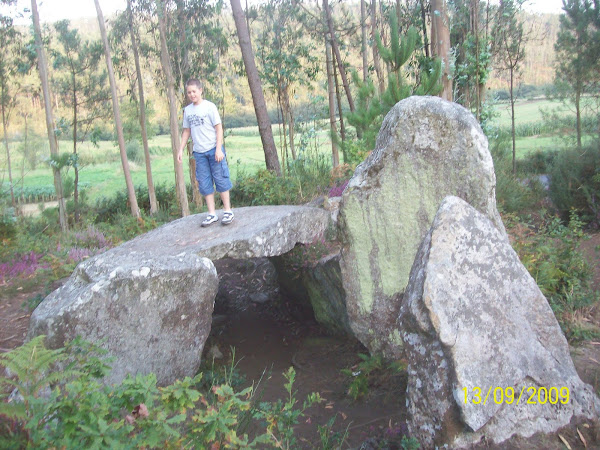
point(133, 204)
point(286, 58)
point(50, 123)
point(81, 86)
point(165, 62)
point(125, 40)
point(258, 98)
point(9, 37)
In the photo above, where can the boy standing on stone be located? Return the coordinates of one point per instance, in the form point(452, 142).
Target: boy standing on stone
point(202, 122)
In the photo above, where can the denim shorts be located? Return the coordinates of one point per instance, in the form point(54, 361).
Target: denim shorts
point(209, 172)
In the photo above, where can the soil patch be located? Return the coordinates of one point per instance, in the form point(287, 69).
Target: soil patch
point(265, 345)
point(35, 209)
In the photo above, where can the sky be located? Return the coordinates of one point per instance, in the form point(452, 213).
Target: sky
point(53, 10)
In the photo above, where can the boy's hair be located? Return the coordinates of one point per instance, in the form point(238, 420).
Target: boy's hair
point(194, 81)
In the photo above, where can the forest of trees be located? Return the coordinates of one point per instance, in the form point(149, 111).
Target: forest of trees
point(352, 59)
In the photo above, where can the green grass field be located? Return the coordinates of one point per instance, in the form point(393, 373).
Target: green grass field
point(527, 111)
point(102, 174)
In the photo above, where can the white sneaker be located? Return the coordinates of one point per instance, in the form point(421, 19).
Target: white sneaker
point(227, 218)
point(210, 219)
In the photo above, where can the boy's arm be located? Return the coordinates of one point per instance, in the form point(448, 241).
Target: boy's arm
point(219, 155)
point(185, 135)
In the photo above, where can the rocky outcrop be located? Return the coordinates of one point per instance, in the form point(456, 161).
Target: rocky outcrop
point(427, 149)
point(149, 301)
point(474, 321)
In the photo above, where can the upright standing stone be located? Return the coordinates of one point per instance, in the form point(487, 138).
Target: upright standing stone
point(486, 356)
point(427, 149)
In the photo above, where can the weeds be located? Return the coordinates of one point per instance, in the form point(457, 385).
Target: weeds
point(331, 440)
point(550, 255)
point(281, 417)
point(370, 367)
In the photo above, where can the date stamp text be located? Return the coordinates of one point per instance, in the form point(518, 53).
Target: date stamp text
point(530, 395)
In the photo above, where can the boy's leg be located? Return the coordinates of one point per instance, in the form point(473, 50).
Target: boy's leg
point(225, 200)
point(205, 185)
point(227, 213)
point(210, 203)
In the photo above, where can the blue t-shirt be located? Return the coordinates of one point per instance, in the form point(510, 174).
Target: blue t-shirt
point(201, 120)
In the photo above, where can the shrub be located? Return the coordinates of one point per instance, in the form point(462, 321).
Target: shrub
point(8, 221)
point(107, 208)
point(21, 266)
point(135, 152)
point(538, 162)
point(561, 272)
point(65, 405)
point(305, 178)
point(513, 194)
point(165, 196)
point(575, 183)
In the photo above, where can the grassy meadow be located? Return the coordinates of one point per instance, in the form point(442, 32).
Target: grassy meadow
point(101, 172)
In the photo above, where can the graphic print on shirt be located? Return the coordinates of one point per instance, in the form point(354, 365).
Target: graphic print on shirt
point(196, 120)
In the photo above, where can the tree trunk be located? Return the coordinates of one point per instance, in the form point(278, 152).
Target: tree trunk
point(10, 180)
point(184, 69)
point(138, 71)
point(338, 56)
point(258, 98)
point(196, 197)
point(174, 126)
point(50, 125)
point(440, 44)
point(424, 19)
point(331, 94)
point(578, 113)
point(363, 31)
point(75, 169)
point(512, 119)
point(135, 210)
point(338, 97)
point(25, 152)
point(376, 63)
point(475, 28)
point(290, 119)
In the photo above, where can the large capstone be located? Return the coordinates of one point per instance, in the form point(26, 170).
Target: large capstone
point(427, 149)
point(474, 322)
point(150, 300)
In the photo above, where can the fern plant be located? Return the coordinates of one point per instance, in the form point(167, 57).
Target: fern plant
point(31, 368)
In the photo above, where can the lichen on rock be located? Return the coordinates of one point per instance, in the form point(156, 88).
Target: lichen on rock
point(427, 148)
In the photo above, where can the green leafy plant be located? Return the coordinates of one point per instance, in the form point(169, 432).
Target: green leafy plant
point(409, 443)
point(282, 416)
point(563, 275)
point(62, 402)
point(32, 373)
point(361, 375)
point(330, 439)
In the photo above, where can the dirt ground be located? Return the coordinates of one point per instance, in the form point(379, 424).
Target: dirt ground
point(269, 337)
